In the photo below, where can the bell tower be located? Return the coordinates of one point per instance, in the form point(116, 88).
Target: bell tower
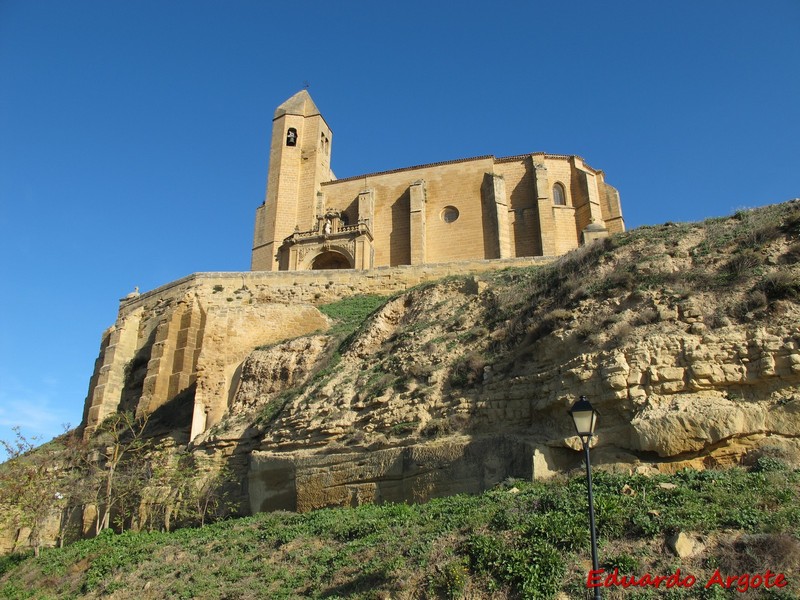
point(299, 161)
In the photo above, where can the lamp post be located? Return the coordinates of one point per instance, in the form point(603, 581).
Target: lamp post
point(585, 419)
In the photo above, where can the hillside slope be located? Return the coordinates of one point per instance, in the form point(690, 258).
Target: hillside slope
point(684, 336)
point(520, 540)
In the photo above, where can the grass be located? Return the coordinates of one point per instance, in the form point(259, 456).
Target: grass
point(350, 313)
point(526, 542)
point(348, 316)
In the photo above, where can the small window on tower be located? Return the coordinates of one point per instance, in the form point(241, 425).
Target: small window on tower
point(559, 195)
point(291, 137)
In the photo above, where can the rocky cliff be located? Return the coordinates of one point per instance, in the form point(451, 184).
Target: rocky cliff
point(685, 336)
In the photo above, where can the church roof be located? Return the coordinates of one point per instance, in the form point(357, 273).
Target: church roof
point(300, 104)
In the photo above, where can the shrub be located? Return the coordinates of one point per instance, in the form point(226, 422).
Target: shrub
point(563, 530)
point(779, 284)
point(404, 428)
point(547, 324)
point(645, 317)
point(754, 553)
point(742, 264)
point(791, 223)
point(559, 314)
point(467, 370)
point(792, 254)
point(753, 301)
point(418, 370)
point(766, 464)
point(449, 580)
point(437, 427)
point(717, 319)
point(626, 564)
point(616, 281)
point(586, 328)
point(534, 569)
point(755, 227)
point(622, 332)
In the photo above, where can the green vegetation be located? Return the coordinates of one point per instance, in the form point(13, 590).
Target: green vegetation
point(520, 540)
point(29, 486)
point(118, 471)
point(349, 314)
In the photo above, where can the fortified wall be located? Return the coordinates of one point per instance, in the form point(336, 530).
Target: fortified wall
point(188, 339)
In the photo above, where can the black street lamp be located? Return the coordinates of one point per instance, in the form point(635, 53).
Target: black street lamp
point(585, 419)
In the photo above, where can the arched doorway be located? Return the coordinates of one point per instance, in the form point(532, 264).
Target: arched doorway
point(330, 260)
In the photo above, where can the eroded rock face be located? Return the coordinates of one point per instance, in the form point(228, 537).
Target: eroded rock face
point(684, 374)
point(415, 473)
point(669, 398)
point(692, 424)
point(693, 378)
point(269, 371)
point(669, 391)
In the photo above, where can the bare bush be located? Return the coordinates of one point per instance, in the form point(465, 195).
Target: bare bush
point(779, 285)
point(792, 254)
point(752, 302)
point(742, 264)
point(645, 317)
point(756, 553)
point(468, 370)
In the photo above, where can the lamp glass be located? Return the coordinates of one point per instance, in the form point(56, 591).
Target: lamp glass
point(584, 417)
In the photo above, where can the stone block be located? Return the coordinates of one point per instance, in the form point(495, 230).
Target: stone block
point(684, 545)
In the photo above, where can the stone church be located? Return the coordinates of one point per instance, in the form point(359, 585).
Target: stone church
point(474, 208)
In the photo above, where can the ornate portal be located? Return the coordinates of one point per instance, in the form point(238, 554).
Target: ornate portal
point(333, 244)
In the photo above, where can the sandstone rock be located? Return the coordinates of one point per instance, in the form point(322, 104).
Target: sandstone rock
point(414, 473)
point(688, 424)
point(391, 407)
point(685, 545)
point(698, 328)
point(267, 372)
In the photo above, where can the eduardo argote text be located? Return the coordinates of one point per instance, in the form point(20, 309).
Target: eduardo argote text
point(741, 583)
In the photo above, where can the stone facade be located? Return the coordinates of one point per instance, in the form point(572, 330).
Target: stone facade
point(476, 208)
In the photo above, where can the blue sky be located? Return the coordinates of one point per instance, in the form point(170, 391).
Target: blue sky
point(134, 135)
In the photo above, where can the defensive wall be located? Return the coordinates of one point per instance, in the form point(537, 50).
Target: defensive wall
point(186, 341)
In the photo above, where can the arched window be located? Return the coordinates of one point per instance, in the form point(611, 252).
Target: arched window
point(291, 137)
point(559, 195)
